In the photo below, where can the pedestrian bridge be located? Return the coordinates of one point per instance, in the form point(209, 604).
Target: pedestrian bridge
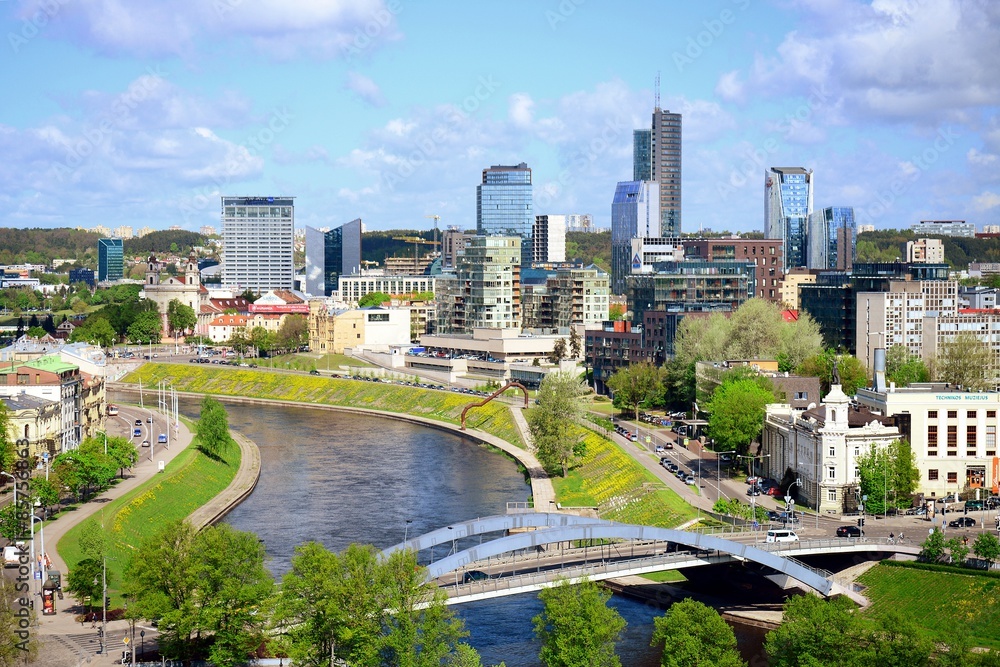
point(536, 549)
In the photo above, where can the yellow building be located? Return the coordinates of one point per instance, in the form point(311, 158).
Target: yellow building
point(37, 420)
point(789, 288)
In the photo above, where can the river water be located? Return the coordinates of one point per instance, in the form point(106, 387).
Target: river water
point(339, 478)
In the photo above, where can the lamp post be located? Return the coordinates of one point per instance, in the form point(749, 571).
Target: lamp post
point(753, 496)
point(406, 529)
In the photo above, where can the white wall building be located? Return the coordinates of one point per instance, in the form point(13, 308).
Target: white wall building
point(352, 288)
point(925, 251)
point(549, 238)
point(258, 243)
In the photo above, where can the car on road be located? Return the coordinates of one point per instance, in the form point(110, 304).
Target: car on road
point(916, 511)
point(726, 458)
point(314, 372)
point(962, 522)
point(136, 432)
point(753, 491)
point(668, 445)
point(474, 575)
point(753, 479)
point(974, 505)
point(664, 461)
point(138, 422)
point(149, 419)
point(145, 443)
point(660, 449)
point(773, 515)
point(772, 491)
point(848, 531)
point(162, 439)
point(689, 479)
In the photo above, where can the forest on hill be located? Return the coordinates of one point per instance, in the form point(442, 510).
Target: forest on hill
point(41, 246)
point(888, 245)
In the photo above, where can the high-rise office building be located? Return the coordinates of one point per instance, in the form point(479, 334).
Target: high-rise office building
point(258, 243)
point(832, 238)
point(549, 238)
point(504, 205)
point(788, 203)
point(331, 254)
point(642, 155)
point(110, 260)
point(635, 211)
point(666, 168)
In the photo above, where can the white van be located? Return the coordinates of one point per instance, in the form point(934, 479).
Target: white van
point(779, 535)
point(12, 554)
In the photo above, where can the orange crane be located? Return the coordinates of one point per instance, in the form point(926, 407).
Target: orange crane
point(416, 241)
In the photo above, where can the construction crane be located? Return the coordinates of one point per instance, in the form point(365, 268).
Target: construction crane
point(416, 241)
point(437, 218)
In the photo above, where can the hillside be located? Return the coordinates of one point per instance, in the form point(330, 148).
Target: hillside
point(889, 244)
point(41, 246)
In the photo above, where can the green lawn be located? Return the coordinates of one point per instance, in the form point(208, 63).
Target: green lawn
point(308, 360)
point(666, 576)
point(189, 481)
point(937, 601)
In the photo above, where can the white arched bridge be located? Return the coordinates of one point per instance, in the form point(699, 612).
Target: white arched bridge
point(536, 549)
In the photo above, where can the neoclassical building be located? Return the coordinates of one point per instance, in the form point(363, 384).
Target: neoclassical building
point(821, 446)
point(163, 288)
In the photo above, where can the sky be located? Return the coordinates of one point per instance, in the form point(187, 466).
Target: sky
point(146, 113)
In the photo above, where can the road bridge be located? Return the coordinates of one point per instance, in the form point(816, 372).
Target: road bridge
point(635, 550)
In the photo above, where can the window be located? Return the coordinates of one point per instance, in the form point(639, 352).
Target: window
point(991, 414)
point(932, 414)
point(932, 474)
point(931, 438)
point(831, 472)
point(953, 478)
point(953, 414)
point(970, 436)
point(832, 451)
point(857, 472)
point(991, 436)
point(831, 495)
point(952, 436)
point(970, 414)
point(802, 396)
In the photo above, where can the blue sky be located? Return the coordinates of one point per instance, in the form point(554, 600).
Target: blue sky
point(145, 113)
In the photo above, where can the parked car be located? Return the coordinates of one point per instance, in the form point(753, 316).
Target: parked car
point(313, 372)
point(974, 505)
point(725, 458)
point(773, 515)
point(772, 491)
point(848, 531)
point(689, 479)
point(962, 522)
point(916, 511)
point(753, 479)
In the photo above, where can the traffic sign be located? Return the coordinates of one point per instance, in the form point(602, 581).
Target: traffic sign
point(125, 639)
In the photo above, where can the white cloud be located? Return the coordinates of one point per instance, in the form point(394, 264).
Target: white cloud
point(365, 88)
point(986, 201)
point(730, 87)
point(521, 109)
point(281, 28)
point(981, 159)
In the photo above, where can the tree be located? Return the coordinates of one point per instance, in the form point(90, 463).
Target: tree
point(965, 361)
point(79, 306)
point(95, 330)
point(85, 580)
point(36, 332)
point(46, 492)
point(932, 549)
point(693, 633)
point(736, 413)
point(889, 475)
point(293, 333)
point(145, 328)
point(213, 429)
point(575, 344)
point(987, 547)
point(558, 351)
point(16, 645)
point(958, 550)
point(577, 628)
point(852, 373)
point(634, 385)
point(262, 339)
point(616, 312)
point(904, 368)
point(373, 299)
point(8, 452)
point(553, 421)
point(180, 318)
point(11, 524)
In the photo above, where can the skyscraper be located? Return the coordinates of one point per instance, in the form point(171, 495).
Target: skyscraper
point(642, 155)
point(504, 205)
point(788, 203)
point(330, 255)
point(110, 260)
point(666, 168)
point(635, 211)
point(258, 242)
point(832, 238)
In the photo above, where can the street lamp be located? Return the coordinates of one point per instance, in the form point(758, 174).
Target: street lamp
point(753, 496)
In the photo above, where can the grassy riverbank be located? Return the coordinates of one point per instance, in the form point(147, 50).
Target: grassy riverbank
point(189, 481)
point(445, 406)
point(941, 603)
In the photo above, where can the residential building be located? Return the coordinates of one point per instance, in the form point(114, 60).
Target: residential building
point(110, 260)
point(549, 238)
point(485, 292)
point(576, 222)
point(123, 232)
point(862, 229)
point(820, 447)
point(207, 230)
point(50, 378)
point(222, 327)
point(352, 288)
point(789, 288)
point(767, 255)
point(926, 251)
point(505, 205)
point(952, 433)
point(331, 254)
point(82, 276)
point(788, 204)
point(832, 238)
point(944, 228)
point(616, 344)
point(634, 213)
point(453, 241)
point(37, 420)
point(408, 266)
point(702, 285)
point(642, 155)
point(258, 236)
point(570, 297)
point(977, 297)
point(982, 269)
point(666, 170)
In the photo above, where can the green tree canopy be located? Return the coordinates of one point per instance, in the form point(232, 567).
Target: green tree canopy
point(180, 317)
point(736, 412)
point(373, 299)
point(635, 384)
point(904, 368)
point(293, 333)
point(213, 429)
point(852, 372)
point(96, 330)
point(692, 633)
point(145, 328)
point(553, 421)
point(889, 475)
point(965, 361)
point(576, 627)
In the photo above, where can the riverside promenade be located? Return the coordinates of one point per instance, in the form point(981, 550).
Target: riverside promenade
point(64, 642)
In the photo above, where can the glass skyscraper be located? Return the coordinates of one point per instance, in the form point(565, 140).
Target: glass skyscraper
point(665, 152)
point(832, 238)
point(642, 155)
point(110, 260)
point(635, 213)
point(331, 254)
point(504, 205)
point(788, 203)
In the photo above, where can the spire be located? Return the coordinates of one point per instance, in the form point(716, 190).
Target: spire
point(656, 103)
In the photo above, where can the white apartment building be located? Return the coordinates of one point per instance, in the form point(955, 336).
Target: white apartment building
point(258, 243)
point(925, 251)
point(952, 433)
point(352, 288)
point(549, 238)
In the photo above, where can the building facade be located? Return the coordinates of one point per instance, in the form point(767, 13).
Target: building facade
point(331, 331)
point(642, 155)
point(571, 297)
point(162, 288)
point(944, 228)
point(352, 288)
point(634, 213)
point(110, 260)
point(485, 292)
point(832, 238)
point(549, 238)
point(331, 254)
point(767, 255)
point(258, 237)
point(925, 251)
point(788, 205)
point(505, 205)
point(666, 169)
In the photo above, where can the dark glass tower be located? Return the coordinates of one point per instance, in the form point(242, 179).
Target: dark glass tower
point(110, 260)
point(331, 254)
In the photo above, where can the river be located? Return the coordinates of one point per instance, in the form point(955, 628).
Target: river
point(339, 478)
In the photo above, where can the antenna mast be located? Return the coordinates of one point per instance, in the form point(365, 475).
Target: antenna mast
point(656, 104)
